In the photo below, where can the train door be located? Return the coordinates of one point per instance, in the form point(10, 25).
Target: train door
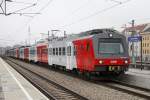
point(50, 54)
point(69, 55)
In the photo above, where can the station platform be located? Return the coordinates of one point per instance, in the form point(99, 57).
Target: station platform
point(13, 86)
point(138, 72)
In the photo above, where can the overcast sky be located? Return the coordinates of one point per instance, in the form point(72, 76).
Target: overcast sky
point(73, 16)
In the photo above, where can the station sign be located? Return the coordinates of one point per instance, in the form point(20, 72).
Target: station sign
point(134, 38)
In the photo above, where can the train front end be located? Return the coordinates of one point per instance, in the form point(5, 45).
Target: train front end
point(111, 53)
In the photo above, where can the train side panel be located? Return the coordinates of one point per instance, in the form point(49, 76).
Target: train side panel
point(26, 53)
point(21, 53)
point(42, 53)
point(33, 54)
point(84, 54)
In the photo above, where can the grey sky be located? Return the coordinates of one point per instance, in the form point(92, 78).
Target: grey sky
point(55, 14)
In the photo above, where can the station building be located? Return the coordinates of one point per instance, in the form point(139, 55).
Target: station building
point(146, 44)
point(139, 30)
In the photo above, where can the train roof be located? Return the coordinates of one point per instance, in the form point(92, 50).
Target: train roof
point(83, 34)
point(98, 31)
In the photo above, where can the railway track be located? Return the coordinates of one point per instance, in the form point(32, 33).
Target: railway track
point(121, 86)
point(131, 89)
point(51, 89)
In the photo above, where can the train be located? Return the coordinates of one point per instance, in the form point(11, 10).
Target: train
point(97, 51)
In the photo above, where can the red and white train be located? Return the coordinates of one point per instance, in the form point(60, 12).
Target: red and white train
point(100, 50)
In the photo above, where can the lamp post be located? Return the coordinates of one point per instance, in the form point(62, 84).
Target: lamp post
point(141, 54)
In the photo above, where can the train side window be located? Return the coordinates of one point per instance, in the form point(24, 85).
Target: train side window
point(63, 51)
point(59, 51)
point(56, 51)
point(75, 50)
point(70, 50)
point(53, 51)
point(50, 51)
point(44, 51)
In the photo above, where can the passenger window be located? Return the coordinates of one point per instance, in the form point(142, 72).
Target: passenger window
point(64, 51)
point(70, 50)
point(75, 50)
point(50, 51)
point(56, 51)
point(59, 51)
point(53, 51)
point(44, 51)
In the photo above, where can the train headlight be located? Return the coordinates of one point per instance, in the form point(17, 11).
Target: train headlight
point(126, 61)
point(100, 61)
point(110, 35)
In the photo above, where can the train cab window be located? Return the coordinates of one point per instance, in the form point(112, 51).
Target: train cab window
point(110, 46)
point(63, 51)
point(59, 51)
point(56, 51)
point(53, 51)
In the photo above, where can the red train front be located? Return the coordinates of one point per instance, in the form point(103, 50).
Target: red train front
point(103, 52)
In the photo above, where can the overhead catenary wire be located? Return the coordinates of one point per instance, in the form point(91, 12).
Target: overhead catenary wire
point(45, 6)
point(22, 2)
point(96, 13)
point(22, 9)
point(116, 1)
point(32, 17)
point(76, 10)
point(2, 7)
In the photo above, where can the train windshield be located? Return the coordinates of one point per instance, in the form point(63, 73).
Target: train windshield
point(110, 46)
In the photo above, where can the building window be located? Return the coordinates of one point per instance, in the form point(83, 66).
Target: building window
point(147, 51)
